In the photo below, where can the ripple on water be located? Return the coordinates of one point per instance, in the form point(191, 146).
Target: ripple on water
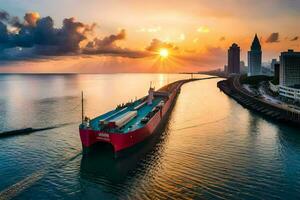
point(212, 148)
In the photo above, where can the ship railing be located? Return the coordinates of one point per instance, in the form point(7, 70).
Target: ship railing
point(161, 94)
point(140, 106)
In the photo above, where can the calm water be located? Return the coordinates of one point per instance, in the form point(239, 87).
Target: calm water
point(211, 148)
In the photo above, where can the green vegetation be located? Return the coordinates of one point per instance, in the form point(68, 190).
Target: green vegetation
point(254, 80)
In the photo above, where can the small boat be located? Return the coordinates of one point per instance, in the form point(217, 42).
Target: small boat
point(131, 123)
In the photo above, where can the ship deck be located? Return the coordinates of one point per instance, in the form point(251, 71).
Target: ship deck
point(133, 124)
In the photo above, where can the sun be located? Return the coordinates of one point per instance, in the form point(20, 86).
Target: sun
point(164, 53)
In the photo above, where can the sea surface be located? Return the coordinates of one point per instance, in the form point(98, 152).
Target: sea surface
point(211, 147)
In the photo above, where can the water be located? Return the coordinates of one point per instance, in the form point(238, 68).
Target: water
point(211, 148)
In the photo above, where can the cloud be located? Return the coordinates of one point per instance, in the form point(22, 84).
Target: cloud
point(182, 37)
point(203, 29)
point(222, 38)
point(150, 30)
point(295, 38)
point(157, 44)
point(40, 33)
point(211, 57)
point(4, 15)
point(274, 37)
point(108, 45)
point(195, 40)
point(121, 52)
point(35, 36)
point(3, 33)
point(31, 18)
point(109, 41)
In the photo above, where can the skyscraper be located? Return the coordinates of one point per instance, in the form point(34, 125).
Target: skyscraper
point(234, 59)
point(290, 68)
point(273, 63)
point(243, 68)
point(225, 69)
point(276, 73)
point(254, 58)
point(289, 78)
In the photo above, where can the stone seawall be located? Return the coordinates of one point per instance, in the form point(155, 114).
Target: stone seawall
point(232, 88)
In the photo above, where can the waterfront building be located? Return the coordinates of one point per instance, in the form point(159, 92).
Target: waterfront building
point(243, 68)
point(242, 64)
point(274, 84)
point(290, 93)
point(234, 59)
point(289, 75)
point(276, 73)
point(290, 68)
point(273, 63)
point(254, 58)
point(225, 69)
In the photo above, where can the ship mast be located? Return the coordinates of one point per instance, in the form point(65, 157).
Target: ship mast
point(82, 111)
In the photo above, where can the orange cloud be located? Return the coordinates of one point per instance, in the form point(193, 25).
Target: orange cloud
point(31, 18)
point(203, 29)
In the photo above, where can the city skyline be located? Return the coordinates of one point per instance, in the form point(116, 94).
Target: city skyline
point(197, 36)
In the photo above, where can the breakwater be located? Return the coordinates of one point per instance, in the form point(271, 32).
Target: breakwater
point(232, 88)
point(29, 130)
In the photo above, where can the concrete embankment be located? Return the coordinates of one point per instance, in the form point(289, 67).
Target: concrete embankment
point(281, 113)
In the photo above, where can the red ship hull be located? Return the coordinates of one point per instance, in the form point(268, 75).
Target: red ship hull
point(121, 141)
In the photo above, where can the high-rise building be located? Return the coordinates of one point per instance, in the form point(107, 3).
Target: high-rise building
point(254, 58)
point(242, 64)
point(289, 78)
point(276, 73)
point(243, 68)
point(225, 69)
point(273, 63)
point(234, 59)
point(290, 68)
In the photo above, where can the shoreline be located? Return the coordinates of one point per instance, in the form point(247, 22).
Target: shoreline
point(232, 88)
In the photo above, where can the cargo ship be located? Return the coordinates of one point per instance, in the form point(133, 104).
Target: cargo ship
point(131, 123)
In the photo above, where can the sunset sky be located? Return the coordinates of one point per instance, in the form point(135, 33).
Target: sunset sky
point(100, 36)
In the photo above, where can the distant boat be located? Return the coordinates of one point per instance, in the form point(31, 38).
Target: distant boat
point(130, 123)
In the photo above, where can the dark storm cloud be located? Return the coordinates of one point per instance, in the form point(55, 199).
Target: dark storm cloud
point(274, 37)
point(40, 32)
point(38, 36)
point(294, 39)
point(3, 33)
point(52, 41)
point(157, 44)
point(14, 21)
